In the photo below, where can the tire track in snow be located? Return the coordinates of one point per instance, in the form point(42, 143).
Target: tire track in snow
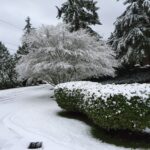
point(15, 121)
point(7, 99)
point(28, 133)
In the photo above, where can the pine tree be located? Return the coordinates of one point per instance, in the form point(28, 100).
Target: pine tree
point(28, 26)
point(8, 75)
point(79, 14)
point(131, 38)
point(24, 50)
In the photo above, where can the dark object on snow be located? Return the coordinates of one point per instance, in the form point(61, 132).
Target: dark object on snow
point(35, 145)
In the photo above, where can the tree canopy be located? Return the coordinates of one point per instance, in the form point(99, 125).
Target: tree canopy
point(79, 14)
point(57, 55)
point(8, 76)
point(131, 38)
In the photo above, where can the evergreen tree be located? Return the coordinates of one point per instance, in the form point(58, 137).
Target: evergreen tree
point(28, 26)
point(79, 14)
point(24, 50)
point(8, 76)
point(131, 38)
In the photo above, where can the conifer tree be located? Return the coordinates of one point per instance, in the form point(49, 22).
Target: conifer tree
point(131, 38)
point(24, 50)
point(79, 14)
point(28, 26)
point(8, 76)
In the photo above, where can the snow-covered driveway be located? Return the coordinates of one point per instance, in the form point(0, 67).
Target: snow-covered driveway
point(29, 115)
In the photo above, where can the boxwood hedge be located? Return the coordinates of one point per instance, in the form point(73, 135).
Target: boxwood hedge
point(114, 112)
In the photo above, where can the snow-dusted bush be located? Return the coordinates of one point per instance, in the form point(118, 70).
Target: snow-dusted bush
point(109, 106)
point(56, 55)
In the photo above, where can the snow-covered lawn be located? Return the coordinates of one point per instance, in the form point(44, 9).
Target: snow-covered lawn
point(29, 115)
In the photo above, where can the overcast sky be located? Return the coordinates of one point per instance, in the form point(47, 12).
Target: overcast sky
point(14, 12)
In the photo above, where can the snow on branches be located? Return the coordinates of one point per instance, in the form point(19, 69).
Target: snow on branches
point(56, 55)
point(131, 38)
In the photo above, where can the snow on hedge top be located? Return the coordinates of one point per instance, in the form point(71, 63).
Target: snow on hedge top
point(105, 91)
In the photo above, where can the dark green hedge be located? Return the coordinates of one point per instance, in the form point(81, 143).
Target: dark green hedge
point(116, 112)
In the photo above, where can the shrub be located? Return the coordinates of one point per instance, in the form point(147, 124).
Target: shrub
point(108, 106)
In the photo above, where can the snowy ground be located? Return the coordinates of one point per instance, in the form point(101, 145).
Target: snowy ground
point(29, 115)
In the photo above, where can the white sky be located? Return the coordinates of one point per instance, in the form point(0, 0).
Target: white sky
point(14, 12)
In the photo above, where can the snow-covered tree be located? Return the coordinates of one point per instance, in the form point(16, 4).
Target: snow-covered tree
point(131, 38)
point(8, 76)
point(57, 55)
point(23, 50)
point(28, 29)
point(79, 14)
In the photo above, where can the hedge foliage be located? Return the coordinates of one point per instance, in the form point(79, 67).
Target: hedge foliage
point(115, 112)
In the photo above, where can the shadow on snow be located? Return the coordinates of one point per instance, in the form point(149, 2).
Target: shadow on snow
point(124, 138)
